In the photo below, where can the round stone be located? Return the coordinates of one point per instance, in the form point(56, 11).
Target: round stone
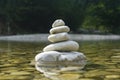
point(62, 46)
point(58, 37)
point(47, 56)
point(46, 61)
point(54, 61)
point(59, 29)
point(58, 22)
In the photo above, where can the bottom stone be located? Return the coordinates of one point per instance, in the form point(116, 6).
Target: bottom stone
point(55, 62)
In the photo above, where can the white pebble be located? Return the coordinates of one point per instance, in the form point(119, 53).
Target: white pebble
point(62, 46)
point(58, 22)
point(59, 29)
point(58, 37)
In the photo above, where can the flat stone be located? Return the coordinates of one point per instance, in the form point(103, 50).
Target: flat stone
point(12, 77)
point(115, 60)
point(58, 22)
point(110, 63)
point(69, 76)
point(29, 69)
point(10, 70)
point(112, 76)
point(59, 29)
point(58, 37)
point(62, 46)
point(117, 53)
point(18, 53)
point(6, 77)
point(115, 57)
point(20, 73)
point(116, 49)
point(113, 70)
point(7, 65)
point(95, 73)
point(44, 79)
point(86, 79)
point(38, 77)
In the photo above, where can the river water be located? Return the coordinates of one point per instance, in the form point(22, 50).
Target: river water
point(103, 61)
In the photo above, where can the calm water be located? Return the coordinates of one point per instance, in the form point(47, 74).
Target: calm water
point(103, 61)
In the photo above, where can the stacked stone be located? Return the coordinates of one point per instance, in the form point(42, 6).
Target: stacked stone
point(60, 38)
point(62, 53)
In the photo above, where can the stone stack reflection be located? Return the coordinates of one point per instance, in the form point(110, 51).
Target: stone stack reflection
point(62, 54)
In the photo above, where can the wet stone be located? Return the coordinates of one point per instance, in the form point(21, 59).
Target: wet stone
point(112, 76)
point(12, 77)
point(95, 73)
point(118, 66)
point(116, 50)
point(7, 65)
point(110, 65)
point(2, 74)
point(6, 77)
point(117, 53)
point(44, 79)
point(9, 71)
point(18, 53)
point(86, 79)
point(113, 70)
point(28, 69)
point(36, 79)
point(20, 62)
point(20, 73)
point(116, 60)
point(70, 76)
point(115, 57)
point(23, 77)
point(110, 79)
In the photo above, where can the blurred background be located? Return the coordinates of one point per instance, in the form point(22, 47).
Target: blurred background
point(94, 24)
point(37, 16)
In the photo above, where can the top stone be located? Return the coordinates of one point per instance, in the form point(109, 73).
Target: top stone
point(58, 22)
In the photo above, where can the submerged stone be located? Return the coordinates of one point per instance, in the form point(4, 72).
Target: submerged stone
point(20, 73)
point(112, 76)
point(57, 61)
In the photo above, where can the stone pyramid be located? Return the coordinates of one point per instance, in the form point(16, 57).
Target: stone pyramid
point(62, 54)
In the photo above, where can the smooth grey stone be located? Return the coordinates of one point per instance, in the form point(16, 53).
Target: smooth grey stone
point(62, 46)
point(58, 37)
point(58, 22)
point(59, 29)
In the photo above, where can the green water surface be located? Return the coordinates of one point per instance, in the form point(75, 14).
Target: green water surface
point(103, 61)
